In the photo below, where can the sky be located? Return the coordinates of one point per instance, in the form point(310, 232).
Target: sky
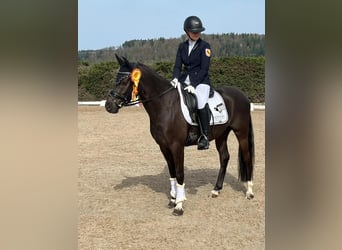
point(108, 23)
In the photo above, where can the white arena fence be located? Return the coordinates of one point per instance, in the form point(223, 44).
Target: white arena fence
point(257, 106)
point(254, 106)
point(95, 103)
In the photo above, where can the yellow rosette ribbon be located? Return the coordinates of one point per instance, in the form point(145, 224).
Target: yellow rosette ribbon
point(135, 78)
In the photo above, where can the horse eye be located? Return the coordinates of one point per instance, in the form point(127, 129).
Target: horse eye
point(117, 82)
point(120, 77)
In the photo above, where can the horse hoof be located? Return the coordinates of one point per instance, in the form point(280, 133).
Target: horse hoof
point(250, 196)
point(171, 204)
point(214, 193)
point(178, 212)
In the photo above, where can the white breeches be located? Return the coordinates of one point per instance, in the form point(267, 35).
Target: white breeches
point(202, 93)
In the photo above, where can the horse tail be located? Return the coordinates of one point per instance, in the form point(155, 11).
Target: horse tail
point(246, 168)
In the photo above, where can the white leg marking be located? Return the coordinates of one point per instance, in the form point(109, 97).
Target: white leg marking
point(179, 206)
point(249, 193)
point(215, 193)
point(173, 187)
point(180, 193)
point(178, 209)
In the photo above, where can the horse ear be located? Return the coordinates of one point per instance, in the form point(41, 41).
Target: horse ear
point(128, 64)
point(123, 62)
point(120, 60)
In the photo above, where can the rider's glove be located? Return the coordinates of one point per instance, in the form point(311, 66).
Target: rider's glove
point(174, 82)
point(190, 89)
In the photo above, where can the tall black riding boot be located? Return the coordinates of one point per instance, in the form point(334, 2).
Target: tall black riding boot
point(203, 141)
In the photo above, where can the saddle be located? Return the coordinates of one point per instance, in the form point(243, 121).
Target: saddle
point(190, 101)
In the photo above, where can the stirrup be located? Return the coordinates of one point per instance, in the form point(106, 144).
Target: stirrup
point(203, 143)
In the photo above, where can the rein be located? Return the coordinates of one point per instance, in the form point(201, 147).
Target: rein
point(154, 97)
point(125, 100)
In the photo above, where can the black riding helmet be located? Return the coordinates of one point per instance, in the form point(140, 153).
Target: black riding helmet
point(193, 24)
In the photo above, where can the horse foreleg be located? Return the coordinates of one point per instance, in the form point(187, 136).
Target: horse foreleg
point(178, 159)
point(180, 198)
point(172, 170)
point(222, 148)
point(172, 202)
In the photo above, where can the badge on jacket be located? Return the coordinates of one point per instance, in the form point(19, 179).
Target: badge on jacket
point(207, 52)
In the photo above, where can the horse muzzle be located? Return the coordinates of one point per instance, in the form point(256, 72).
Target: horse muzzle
point(112, 107)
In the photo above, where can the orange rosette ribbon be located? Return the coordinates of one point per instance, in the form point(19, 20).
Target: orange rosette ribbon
point(135, 78)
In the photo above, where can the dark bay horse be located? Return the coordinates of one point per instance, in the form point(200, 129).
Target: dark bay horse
point(170, 130)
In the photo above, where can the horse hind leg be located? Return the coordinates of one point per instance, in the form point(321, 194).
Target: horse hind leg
point(246, 167)
point(249, 192)
point(246, 159)
point(222, 148)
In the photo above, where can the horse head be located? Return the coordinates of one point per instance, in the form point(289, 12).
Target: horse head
point(121, 94)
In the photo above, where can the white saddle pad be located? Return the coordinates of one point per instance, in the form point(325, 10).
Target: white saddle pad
point(216, 105)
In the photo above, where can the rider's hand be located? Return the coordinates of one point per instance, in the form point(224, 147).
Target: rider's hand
point(190, 89)
point(174, 82)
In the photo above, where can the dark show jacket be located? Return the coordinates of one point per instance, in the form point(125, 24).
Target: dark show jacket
point(196, 65)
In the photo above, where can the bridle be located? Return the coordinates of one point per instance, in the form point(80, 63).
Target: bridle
point(126, 100)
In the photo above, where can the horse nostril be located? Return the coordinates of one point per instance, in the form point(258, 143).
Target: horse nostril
point(108, 106)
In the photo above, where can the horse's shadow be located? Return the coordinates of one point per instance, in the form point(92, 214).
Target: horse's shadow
point(194, 179)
